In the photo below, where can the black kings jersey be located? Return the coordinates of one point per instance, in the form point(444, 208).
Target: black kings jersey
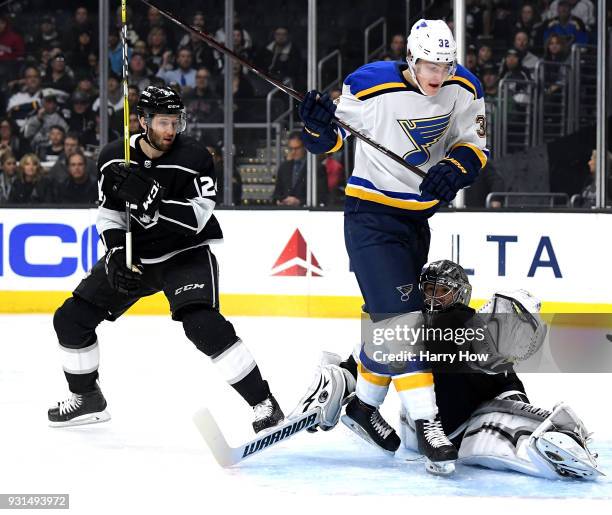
point(184, 219)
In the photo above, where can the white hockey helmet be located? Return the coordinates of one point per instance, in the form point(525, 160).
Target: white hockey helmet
point(431, 40)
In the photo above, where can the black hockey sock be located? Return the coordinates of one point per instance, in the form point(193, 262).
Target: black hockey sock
point(82, 383)
point(252, 388)
point(351, 365)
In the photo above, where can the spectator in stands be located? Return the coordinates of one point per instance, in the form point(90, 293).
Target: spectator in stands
point(21, 104)
point(54, 146)
point(220, 34)
point(94, 69)
point(397, 48)
point(555, 52)
point(141, 47)
point(115, 52)
point(581, 9)
point(132, 33)
point(334, 170)
point(588, 195)
point(59, 171)
point(139, 74)
point(79, 50)
point(529, 23)
point(8, 174)
point(241, 46)
point(485, 58)
point(38, 126)
point(11, 140)
point(157, 42)
point(521, 45)
point(81, 117)
point(202, 103)
point(490, 82)
point(202, 54)
point(155, 20)
point(571, 28)
point(11, 49)
point(503, 21)
point(512, 67)
point(30, 186)
point(48, 36)
point(282, 58)
point(115, 94)
point(78, 25)
point(471, 59)
point(86, 86)
point(58, 76)
point(78, 187)
point(183, 74)
point(135, 127)
point(291, 178)
point(91, 138)
point(133, 96)
point(217, 156)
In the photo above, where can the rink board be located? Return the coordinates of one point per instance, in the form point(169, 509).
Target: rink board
point(293, 263)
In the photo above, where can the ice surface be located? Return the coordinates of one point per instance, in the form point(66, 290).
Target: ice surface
point(150, 459)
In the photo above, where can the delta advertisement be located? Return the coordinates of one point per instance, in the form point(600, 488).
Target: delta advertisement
point(294, 263)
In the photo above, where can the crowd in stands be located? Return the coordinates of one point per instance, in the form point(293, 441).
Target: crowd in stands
point(49, 76)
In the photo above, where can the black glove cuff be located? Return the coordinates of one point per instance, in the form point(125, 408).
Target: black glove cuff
point(113, 238)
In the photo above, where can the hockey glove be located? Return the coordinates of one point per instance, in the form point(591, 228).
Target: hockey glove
point(317, 114)
point(442, 181)
point(137, 188)
point(119, 276)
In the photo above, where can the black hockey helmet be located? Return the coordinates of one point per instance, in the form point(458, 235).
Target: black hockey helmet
point(161, 100)
point(444, 284)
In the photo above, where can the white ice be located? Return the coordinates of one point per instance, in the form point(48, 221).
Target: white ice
point(150, 459)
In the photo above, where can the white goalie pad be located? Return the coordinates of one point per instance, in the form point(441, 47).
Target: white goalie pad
point(560, 444)
point(512, 435)
point(330, 389)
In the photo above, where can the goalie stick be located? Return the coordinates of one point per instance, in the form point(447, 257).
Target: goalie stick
point(286, 89)
point(227, 455)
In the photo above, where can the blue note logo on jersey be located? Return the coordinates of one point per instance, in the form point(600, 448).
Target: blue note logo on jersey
point(424, 133)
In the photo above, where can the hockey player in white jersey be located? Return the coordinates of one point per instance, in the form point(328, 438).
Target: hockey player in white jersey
point(487, 415)
point(430, 111)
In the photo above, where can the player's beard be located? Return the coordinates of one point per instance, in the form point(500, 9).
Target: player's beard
point(159, 142)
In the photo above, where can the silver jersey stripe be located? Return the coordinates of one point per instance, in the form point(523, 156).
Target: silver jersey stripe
point(184, 168)
point(150, 261)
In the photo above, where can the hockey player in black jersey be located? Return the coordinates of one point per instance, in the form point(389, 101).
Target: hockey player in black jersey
point(170, 185)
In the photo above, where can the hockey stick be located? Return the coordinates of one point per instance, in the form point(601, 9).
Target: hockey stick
point(227, 456)
point(126, 132)
point(286, 89)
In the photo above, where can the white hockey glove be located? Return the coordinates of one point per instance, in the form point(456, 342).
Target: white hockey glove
point(330, 389)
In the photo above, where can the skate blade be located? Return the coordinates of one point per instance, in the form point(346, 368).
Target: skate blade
point(356, 428)
point(89, 418)
point(440, 468)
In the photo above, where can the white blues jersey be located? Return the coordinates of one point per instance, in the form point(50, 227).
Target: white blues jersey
point(378, 101)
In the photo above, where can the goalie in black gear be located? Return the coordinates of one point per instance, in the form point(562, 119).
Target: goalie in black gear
point(170, 185)
point(485, 410)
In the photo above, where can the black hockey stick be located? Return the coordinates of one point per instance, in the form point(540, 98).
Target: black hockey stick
point(286, 89)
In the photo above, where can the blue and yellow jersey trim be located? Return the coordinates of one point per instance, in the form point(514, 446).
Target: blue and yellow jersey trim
point(377, 78)
point(363, 189)
point(465, 79)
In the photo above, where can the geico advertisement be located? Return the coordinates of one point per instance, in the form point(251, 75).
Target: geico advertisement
point(553, 255)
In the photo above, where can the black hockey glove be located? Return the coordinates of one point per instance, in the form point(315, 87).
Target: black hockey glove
point(137, 188)
point(317, 114)
point(120, 277)
point(442, 181)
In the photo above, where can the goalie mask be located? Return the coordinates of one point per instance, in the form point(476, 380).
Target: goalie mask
point(432, 41)
point(444, 284)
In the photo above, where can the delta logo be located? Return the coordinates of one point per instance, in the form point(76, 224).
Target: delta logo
point(296, 259)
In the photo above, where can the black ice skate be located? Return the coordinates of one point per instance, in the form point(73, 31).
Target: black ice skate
point(365, 421)
point(440, 454)
point(79, 409)
point(267, 414)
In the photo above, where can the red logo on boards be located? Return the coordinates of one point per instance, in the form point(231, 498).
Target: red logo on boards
point(296, 259)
